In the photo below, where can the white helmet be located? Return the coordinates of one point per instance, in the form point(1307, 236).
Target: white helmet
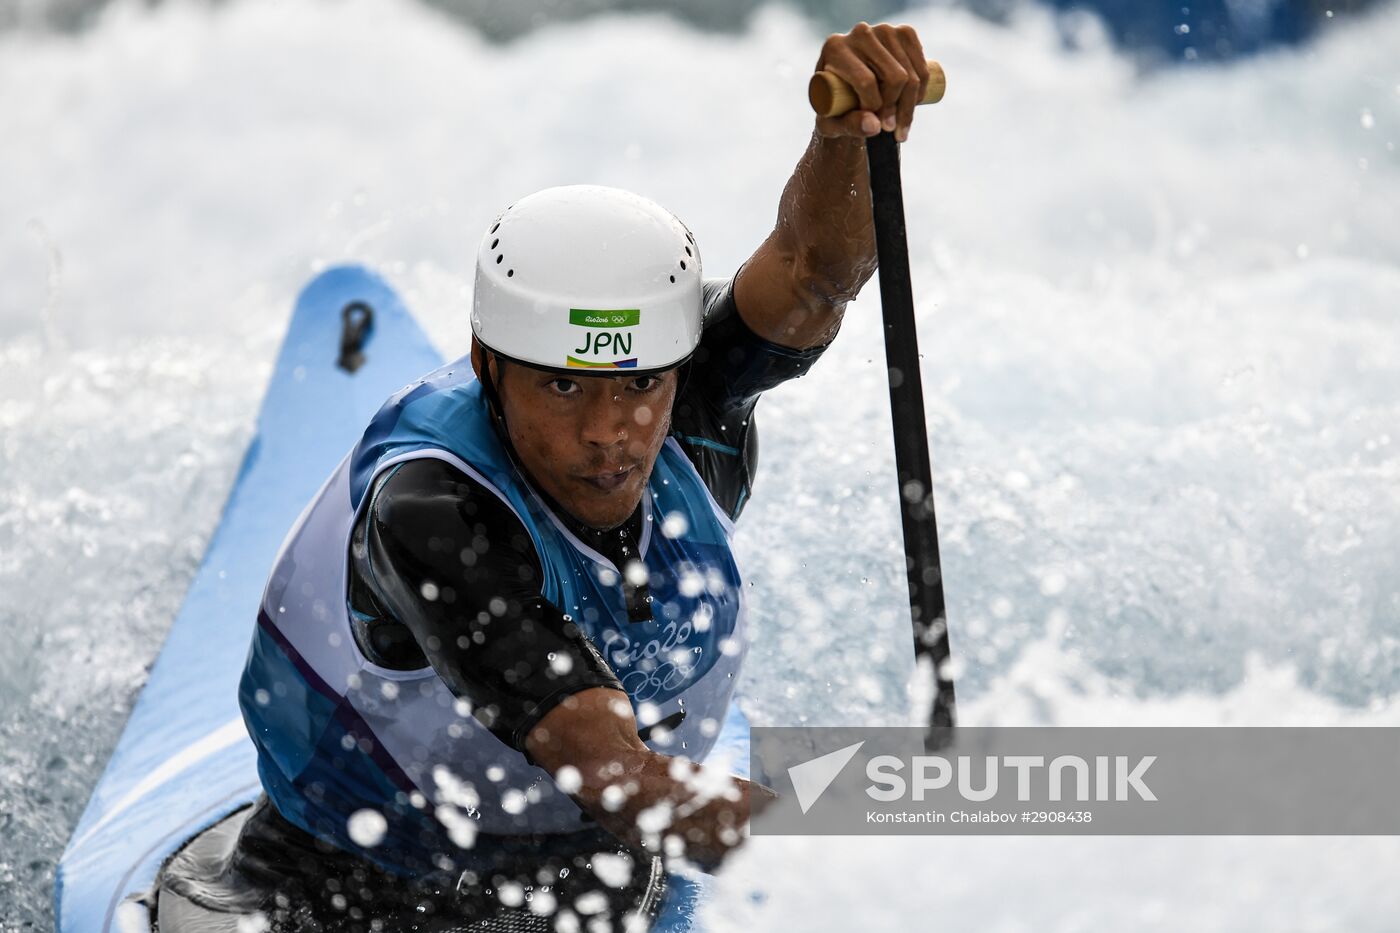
point(586, 278)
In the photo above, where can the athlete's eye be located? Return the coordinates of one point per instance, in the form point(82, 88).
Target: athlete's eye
point(645, 383)
point(563, 386)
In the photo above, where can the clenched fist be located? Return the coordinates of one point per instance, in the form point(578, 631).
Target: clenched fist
point(885, 66)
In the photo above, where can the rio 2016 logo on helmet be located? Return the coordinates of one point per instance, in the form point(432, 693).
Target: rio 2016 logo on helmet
point(589, 278)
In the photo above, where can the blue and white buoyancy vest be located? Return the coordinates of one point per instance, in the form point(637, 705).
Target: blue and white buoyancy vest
point(337, 734)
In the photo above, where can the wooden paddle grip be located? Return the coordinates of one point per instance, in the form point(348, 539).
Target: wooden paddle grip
point(831, 96)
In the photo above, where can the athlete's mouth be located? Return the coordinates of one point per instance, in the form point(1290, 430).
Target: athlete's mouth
point(609, 480)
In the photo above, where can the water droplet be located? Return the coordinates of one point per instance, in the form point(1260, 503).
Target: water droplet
point(367, 828)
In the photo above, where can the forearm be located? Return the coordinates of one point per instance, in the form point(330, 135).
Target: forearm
point(658, 799)
point(590, 744)
point(825, 221)
point(820, 253)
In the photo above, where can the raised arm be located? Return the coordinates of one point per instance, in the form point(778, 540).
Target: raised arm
point(794, 289)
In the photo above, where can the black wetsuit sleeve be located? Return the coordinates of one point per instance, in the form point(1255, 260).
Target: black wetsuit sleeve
point(440, 555)
point(713, 415)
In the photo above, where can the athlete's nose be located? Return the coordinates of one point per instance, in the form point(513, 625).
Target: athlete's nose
point(604, 420)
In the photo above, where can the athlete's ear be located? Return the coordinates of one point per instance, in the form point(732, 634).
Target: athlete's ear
point(478, 358)
point(482, 360)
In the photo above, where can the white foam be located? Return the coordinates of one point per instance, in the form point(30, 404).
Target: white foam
point(1157, 318)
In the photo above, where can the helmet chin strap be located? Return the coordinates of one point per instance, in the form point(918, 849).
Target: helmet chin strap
point(682, 378)
point(498, 417)
point(493, 397)
point(498, 423)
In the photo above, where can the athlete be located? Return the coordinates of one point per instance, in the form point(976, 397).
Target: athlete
point(496, 645)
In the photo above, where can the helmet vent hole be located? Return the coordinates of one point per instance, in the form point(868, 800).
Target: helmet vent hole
point(682, 264)
point(495, 228)
point(510, 272)
point(494, 242)
point(687, 251)
point(499, 258)
point(673, 280)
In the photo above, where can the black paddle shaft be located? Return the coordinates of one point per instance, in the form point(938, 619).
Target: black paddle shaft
point(911, 457)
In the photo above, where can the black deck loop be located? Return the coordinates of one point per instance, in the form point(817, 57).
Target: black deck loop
point(357, 320)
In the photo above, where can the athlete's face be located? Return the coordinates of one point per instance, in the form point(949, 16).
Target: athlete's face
point(588, 441)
